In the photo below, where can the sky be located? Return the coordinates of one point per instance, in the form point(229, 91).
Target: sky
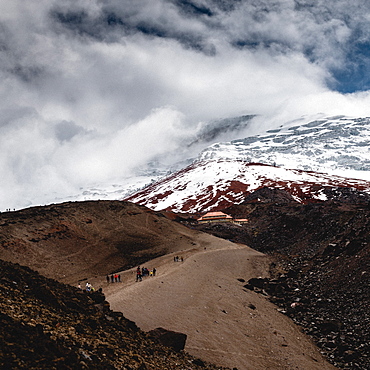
point(93, 91)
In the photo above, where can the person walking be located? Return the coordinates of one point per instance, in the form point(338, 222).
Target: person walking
point(138, 274)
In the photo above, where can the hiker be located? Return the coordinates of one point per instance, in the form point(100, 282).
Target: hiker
point(116, 278)
point(119, 278)
point(112, 278)
point(108, 279)
point(154, 271)
point(138, 274)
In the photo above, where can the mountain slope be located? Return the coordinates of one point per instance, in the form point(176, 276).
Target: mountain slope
point(324, 249)
point(217, 184)
point(301, 157)
point(87, 240)
point(73, 241)
point(32, 237)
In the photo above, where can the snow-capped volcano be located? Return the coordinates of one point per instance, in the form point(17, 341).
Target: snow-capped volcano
point(217, 184)
point(303, 159)
point(336, 145)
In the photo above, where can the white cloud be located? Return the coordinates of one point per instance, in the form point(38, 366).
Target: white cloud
point(83, 101)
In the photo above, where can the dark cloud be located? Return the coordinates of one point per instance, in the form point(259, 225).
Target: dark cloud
point(218, 130)
point(114, 23)
point(193, 9)
point(328, 33)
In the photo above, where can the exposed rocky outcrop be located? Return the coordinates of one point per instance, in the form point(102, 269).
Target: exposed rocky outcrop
point(48, 325)
point(322, 275)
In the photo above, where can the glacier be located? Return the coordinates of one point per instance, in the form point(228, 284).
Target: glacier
point(338, 146)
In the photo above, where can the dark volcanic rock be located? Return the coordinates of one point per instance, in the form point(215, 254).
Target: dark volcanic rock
point(322, 275)
point(45, 324)
point(169, 338)
point(269, 195)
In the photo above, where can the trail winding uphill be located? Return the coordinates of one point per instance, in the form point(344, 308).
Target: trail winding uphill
point(202, 297)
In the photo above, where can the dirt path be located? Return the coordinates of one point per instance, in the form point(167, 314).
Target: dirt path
point(225, 323)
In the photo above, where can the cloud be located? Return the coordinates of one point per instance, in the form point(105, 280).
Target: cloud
point(115, 155)
point(94, 91)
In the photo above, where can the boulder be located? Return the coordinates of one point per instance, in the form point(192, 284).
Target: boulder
point(168, 338)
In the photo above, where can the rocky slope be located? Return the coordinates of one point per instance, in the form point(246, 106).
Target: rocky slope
point(63, 327)
point(48, 325)
point(322, 280)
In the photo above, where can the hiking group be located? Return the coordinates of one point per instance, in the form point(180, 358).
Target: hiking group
point(142, 272)
point(116, 278)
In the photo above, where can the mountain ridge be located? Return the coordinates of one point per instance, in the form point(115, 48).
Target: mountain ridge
point(87, 238)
